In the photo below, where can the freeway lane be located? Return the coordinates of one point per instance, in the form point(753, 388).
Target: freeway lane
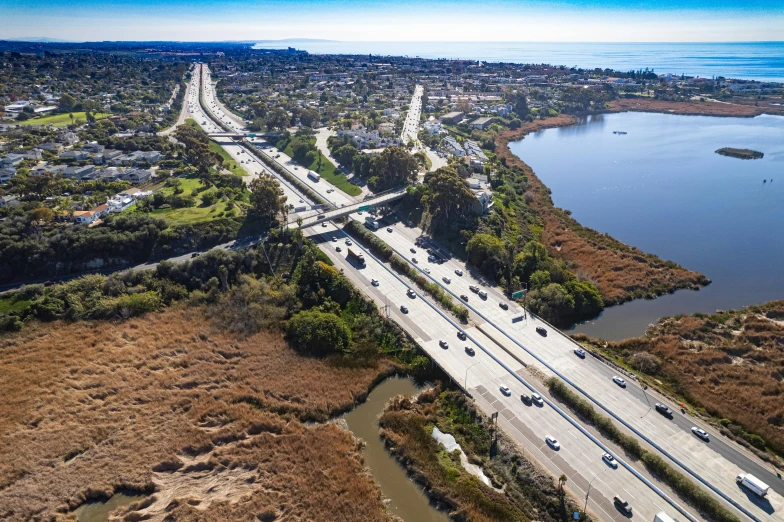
point(578, 457)
point(718, 461)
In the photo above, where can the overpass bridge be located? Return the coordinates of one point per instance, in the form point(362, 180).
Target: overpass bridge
point(382, 199)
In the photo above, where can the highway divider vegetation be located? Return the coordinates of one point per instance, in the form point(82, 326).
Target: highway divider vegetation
point(656, 465)
point(274, 166)
point(385, 252)
point(519, 490)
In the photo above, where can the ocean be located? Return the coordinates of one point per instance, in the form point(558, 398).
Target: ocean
point(763, 61)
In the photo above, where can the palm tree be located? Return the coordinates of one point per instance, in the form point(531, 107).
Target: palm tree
point(561, 481)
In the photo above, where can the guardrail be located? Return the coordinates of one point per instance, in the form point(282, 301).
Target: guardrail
point(574, 423)
point(592, 399)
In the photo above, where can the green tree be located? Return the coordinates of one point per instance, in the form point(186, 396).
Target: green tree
point(393, 167)
point(318, 333)
point(486, 252)
point(66, 102)
point(449, 198)
point(553, 303)
point(519, 103)
point(265, 197)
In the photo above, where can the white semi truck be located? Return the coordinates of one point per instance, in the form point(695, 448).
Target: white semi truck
point(661, 516)
point(753, 484)
point(371, 223)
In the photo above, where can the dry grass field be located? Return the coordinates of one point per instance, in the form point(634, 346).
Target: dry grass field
point(210, 423)
point(621, 272)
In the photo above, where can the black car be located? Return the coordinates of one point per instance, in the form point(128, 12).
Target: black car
point(526, 399)
point(470, 351)
point(404, 309)
point(464, 297)
point(664, 410)
point(461, 336)
point(503, 306)
point(541, 331)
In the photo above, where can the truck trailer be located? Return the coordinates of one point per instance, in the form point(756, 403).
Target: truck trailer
point(753, 484)
point(312, 175)
point(356, 256)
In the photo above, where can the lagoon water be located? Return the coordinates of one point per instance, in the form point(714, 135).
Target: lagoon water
point(663, 189)
point(763, 61)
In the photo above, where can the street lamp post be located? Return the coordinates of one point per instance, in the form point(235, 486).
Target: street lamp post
point(585, 507)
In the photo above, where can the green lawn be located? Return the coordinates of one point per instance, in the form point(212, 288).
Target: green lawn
point(331, 174)
point(233, 166)
point(195, 214)
point(61, 120)
point(12, 304)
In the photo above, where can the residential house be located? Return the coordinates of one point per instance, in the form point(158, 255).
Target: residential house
point(51, 147)
point(120, 202)
point(94, 147)
point(6, 173)
point(11, 160)
point(74, 155)
point(78, 172)
point(433, 127)
point(101, 210)
point(68, 137)
point(9, 201)
point(137, 175)
point(453, 147)
point(84, 216)
point(473, 150)
point(483, 202)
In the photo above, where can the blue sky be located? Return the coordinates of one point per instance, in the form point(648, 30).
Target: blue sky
point(397, 20)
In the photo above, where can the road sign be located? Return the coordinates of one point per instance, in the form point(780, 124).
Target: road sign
point(576, 515)
point(518, 295)
point(251, 135)
point(364, 207)
point(517, 319)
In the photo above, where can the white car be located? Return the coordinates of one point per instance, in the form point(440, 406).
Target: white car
point(348, 242)
point(334, 239)
point(426, 270)
point(459, 272)
point(620, 382)
point(700, 433)
point(374, 282)
point(505, 391)
point(610, 460)
point(552, 442)
point(537, 399)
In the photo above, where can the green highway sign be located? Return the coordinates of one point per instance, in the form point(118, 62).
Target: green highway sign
point(364, 207)
point(518, 295)
point(251, 135)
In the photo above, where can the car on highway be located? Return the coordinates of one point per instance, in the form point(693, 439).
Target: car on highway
point(503, 305)
point(464, 297)
point(525, 398)
point(552, 442)
point(446, 280)
point(338, 249)
point(622, 505)
point(412, 250)
point(470, 351)
point(431, 258)
point(474, 288)
point(610, 460)
point(537, 399)
point(404, 309)
point(410, 293)
point(374, 282)
point(579, 352)
point(663, 409)
point(443, 344)
point(348, 242)
point(505, 390)
point(334, 239)
point(389, 229)
point(426, 270)
point(323, 225)
point(541, 331)
point(701, 433)
point(458, 272)
point(461, 335)
point(619, 381)
point(414, 260)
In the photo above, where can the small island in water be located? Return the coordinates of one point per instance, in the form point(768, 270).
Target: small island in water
point(740, 153)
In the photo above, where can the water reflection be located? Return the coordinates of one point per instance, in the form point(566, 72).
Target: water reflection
point(406, 499)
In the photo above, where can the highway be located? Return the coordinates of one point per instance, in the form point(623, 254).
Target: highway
point(718, 461)
point(411, 125)
point(555, 351)
point(579, 457)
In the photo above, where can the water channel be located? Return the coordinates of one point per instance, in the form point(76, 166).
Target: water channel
point(406, 500)
point(662, 188)
point(99, 511)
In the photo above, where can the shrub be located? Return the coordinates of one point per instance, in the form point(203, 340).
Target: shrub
point(318, 333)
